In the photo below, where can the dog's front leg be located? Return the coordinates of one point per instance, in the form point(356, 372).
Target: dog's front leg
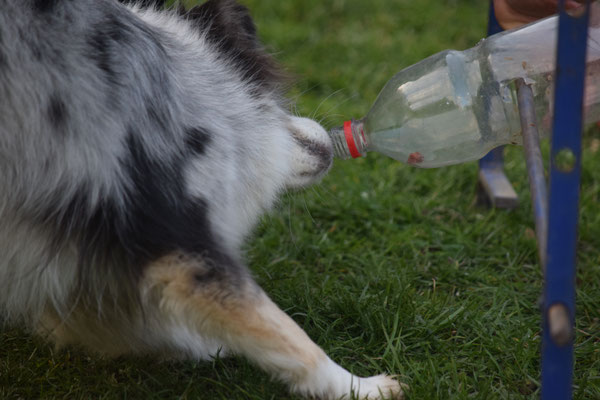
point(237, 313)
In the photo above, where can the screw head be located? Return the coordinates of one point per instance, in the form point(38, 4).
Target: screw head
point(565, 160)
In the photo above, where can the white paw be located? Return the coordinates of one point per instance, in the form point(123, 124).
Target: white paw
point(377, 387)
point(329, 381)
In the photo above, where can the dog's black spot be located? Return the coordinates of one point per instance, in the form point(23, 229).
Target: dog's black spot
point(116, 29)
point(3, 59)
point(196, 139)
point(57, 112)
point(100, 53)
point(145, 3)
point(116, 36)
point(104, 43)
point(228, 26)
point(165, 218)
point(45, 5)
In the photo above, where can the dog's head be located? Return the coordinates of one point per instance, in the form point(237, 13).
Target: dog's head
point(304, 146)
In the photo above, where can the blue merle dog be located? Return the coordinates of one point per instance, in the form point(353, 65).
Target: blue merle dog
point(138, 147)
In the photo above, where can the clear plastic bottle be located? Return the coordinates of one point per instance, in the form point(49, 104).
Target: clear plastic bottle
point(456, 106)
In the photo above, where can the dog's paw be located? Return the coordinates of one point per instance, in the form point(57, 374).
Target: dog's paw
point(329, 381)
point(377, 387)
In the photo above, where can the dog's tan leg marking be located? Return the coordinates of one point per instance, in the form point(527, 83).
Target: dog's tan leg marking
point(244, 316)
point(247, 322)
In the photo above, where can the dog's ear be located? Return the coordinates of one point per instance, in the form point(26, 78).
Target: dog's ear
point(230, 27)
point(225, 19)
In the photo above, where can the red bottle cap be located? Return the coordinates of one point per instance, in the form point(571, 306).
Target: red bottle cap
point(350, 139)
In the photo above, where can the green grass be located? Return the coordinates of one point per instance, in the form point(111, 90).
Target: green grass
point(388, 268)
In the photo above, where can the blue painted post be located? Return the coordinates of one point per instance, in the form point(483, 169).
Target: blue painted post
point(565, 165)
point(493, 182)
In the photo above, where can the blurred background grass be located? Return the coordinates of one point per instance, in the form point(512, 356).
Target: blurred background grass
point(387, 267)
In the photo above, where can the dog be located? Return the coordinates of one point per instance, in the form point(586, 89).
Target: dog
point(138, 147)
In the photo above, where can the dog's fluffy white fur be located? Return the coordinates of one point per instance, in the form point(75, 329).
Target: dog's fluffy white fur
point(138, 147)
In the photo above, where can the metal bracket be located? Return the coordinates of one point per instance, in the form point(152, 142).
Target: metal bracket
point(494, 187)
point(535, 166)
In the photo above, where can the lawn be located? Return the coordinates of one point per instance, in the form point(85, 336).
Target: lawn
point(387, 267)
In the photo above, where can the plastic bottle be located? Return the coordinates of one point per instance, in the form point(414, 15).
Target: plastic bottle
point(456, 106)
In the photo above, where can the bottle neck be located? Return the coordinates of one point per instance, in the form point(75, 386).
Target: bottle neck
point(349, 140)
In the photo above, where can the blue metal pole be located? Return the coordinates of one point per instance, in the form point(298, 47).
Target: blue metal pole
point(565, 164)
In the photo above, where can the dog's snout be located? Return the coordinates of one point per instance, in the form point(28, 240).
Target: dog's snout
point(313, 151)
point(321, 150)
